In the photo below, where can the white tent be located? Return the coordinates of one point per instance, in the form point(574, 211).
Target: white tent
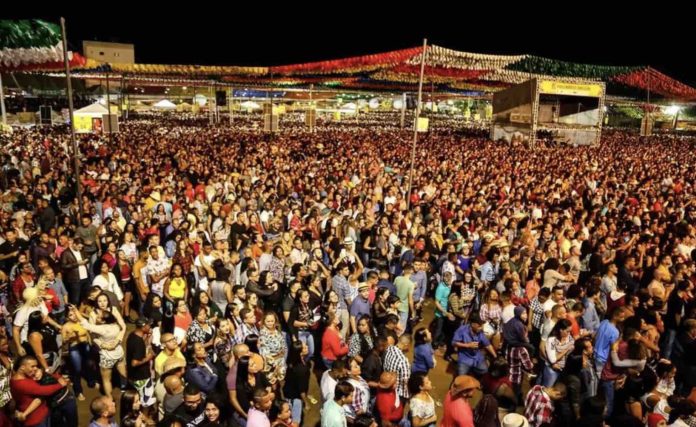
point(165, 104)
point(90, 118)
point(94, 110)
point(249, 105)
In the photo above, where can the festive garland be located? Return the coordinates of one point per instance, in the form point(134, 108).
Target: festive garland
point(653, 80)
point(430, 71)
point(26, 42)
point(187, 69)
point(74, 59)
point(448, 58)
point(350, 65)
point(552, 67)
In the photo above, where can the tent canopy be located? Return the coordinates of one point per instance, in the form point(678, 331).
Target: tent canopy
point(165, 104)
point(95, 109)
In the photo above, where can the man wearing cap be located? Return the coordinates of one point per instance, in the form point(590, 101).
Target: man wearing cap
point(457, 411)
point(360, 306)
point(139, 357)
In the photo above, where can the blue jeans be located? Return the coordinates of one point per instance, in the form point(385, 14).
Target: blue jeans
point(608, 387)
point(307, 338)
point(403, 321)
point(480, 367)
point(668, 343)
point(296, 411)
point(550, 376)
point(78, 354)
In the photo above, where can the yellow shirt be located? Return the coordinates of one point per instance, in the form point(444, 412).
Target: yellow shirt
point(177, 287)
point(161, 359)
point(69, 331)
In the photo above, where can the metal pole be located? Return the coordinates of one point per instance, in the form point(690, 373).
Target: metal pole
point(403, 111)
point(312, 112)
point(230, 106)
point(2, 102)
point(75, 150)
point(415, 124)
point(108, 108)
point(120, 98)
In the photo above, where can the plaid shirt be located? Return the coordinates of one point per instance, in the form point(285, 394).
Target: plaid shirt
point(537, 313)
point(538, 407)
point(519, 361)
point(395, 361)
point(361, 398)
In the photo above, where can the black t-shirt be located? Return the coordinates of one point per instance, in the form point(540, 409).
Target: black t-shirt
point(193, 418)
point(136, 350)
point(236, 232)
point(288, 303)
point(7, 248)
point(371, 367)
point(297, 381)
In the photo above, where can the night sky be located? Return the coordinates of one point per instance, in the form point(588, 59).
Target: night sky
point(265, 34)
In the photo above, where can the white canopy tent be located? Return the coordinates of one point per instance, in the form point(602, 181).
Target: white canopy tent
point(165, 104)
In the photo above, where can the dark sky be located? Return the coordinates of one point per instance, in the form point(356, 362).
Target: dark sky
point(266, 34)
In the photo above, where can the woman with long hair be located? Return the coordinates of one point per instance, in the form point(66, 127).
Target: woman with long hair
point(558, 347)
point(76, 340)
point(202, 372)
point(422, 404)
point(107, 335)
point(201, 331)
point(153, 307)
point(362, 342)
point(175, 287)
point(297, 379)
point(491, 313)
point(301, 320)
point(333, 346)
point(224, 341)
point(202, 299)
point(131, 408)
point(41, 342)
point(379, 307)
point(273, 348)
point(123, 271)
point(249, 377)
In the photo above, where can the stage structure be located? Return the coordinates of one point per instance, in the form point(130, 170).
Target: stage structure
point(564, 112)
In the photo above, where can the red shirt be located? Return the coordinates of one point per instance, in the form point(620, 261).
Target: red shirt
point(456, 413)
point(25, 391)
point(385, 405)
point(332, 345)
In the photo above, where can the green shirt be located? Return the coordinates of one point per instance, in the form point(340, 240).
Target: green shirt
point(404, 288)
point(333, 415)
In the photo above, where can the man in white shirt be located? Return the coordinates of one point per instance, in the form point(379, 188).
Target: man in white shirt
point(158, 270)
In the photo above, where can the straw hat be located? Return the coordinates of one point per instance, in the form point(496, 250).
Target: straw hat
point(514, 420)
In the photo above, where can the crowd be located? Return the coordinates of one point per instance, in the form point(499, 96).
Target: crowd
point(207, 275)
